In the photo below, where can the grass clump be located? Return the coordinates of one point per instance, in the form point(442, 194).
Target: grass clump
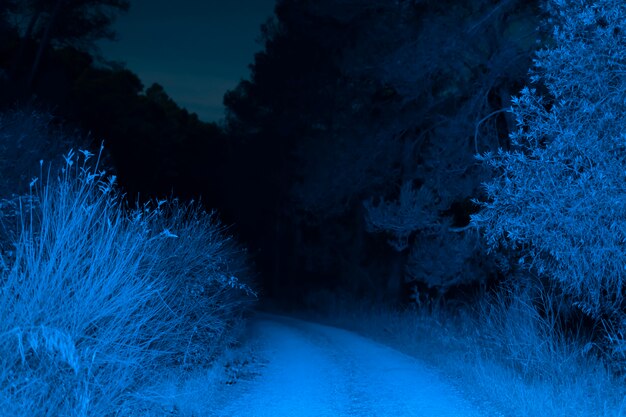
point(97, 300)
point(536, 363)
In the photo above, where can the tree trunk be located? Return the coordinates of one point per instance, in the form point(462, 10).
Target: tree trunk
point(45, 41)
point(505, 102)
point(395, 281)
point(19, 57)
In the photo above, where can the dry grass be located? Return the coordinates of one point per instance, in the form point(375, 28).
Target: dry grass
point(506, 357)
point(97, 301)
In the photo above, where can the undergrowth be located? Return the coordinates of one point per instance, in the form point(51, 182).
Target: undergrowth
point(97, 300)
point(508, 356)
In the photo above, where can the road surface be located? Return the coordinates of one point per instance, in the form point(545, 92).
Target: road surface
point(307, 369)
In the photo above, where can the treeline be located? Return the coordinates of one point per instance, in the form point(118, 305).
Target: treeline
point(153, 145)
point(347, 160)
point(356, 136)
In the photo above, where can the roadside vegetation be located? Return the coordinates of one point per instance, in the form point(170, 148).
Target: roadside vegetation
point(546, 335)
point(372, 161)
point(99, 301)
point(502, 352)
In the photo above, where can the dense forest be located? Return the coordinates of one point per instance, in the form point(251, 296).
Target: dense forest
point(365, 131)
point(346, 161)
point(330, 131)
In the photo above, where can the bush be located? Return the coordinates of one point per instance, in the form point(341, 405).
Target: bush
point(412, 211)
point(28, 134)
point(558, 196)
point(209, 272)
point(96, 300)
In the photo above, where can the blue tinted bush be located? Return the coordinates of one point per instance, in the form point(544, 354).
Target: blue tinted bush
point(558, 197)
point(97, 301)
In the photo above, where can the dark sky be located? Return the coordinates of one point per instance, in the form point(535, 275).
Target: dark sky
point(196, 49)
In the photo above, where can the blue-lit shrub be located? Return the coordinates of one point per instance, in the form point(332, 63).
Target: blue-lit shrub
point(96, 300)
point(558, 197)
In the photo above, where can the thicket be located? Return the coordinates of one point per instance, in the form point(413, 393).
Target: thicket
point(367, 116)
point(98, 299)
point(558, 196)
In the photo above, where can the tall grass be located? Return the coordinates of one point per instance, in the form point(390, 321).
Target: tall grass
point(96, 300)
point(534, 363)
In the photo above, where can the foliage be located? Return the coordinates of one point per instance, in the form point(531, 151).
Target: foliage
point(42, 25)
point(454, 86)
point(98, 300)
point(28, 134)
point(558, 198)
point(76, 23)
point(444, 259)
point(372, 112)
point(403, 217)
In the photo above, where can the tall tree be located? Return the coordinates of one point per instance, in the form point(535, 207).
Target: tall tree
point(379, 107)
point(76, 23)
point(452, 68)
point(294, 83)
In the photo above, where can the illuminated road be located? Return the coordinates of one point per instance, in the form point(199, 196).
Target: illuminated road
point(308, 369)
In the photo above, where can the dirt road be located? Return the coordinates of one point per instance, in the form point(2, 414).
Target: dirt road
point(308, 369)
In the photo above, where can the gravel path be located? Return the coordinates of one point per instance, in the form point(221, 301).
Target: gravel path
point(308, 369)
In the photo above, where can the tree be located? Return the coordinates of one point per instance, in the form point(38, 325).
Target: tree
point(374, 106)
point(446, 69)
point(6, 7)
point(293, 86)
point(76, 23)
point(558, 197)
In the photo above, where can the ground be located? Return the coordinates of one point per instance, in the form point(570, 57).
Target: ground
point(301, 368)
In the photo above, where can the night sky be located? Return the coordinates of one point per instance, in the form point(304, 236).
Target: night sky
point(196, 49)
